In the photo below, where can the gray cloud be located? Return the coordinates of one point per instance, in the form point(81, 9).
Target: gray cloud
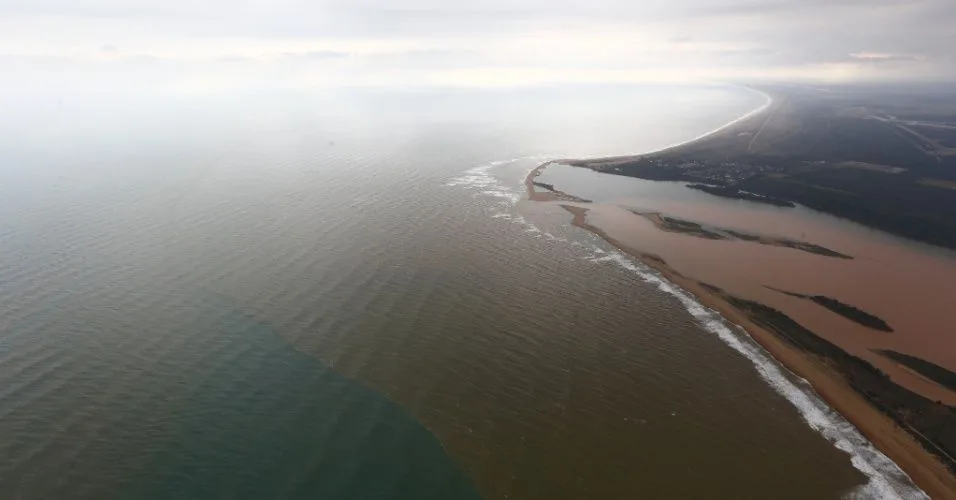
point(725, 38)
point(318, 55)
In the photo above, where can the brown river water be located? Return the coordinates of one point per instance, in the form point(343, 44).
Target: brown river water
point(909, 285)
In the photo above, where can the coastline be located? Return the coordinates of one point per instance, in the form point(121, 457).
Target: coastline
point(898, 444)
point(767, 108)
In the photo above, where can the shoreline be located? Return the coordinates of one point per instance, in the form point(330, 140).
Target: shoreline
point(764, 109)
point(926, 471)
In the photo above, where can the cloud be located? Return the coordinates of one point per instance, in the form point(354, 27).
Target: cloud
point(880, 57)
point(354, 41)
point(318, 55)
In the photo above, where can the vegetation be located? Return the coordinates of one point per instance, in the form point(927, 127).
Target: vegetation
point(934, 372)
point(852, 313)
point(849, 312)
point(691, 228)
point(812, 248)
point(688, 227)
point(734, 193)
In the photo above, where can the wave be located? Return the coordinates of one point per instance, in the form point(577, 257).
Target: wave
point(885, 479)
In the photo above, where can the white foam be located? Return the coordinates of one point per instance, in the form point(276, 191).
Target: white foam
point(480, 176)
point(485, 185)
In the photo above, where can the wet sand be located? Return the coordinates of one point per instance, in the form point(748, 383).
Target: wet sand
point(696, 257)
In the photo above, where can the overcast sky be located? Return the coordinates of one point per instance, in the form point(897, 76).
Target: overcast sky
point(214, 43)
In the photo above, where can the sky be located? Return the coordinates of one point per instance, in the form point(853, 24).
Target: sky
point(201, 45)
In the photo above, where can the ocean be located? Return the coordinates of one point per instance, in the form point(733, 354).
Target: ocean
point(343, 294)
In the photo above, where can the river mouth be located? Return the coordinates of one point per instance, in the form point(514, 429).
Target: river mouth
point(849, 279)
point(901, 283)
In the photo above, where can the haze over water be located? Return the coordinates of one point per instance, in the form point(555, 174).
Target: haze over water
point(339, 296)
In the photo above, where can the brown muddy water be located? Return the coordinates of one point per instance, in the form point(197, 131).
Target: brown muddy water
point(907, 284)
point(344, 297)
